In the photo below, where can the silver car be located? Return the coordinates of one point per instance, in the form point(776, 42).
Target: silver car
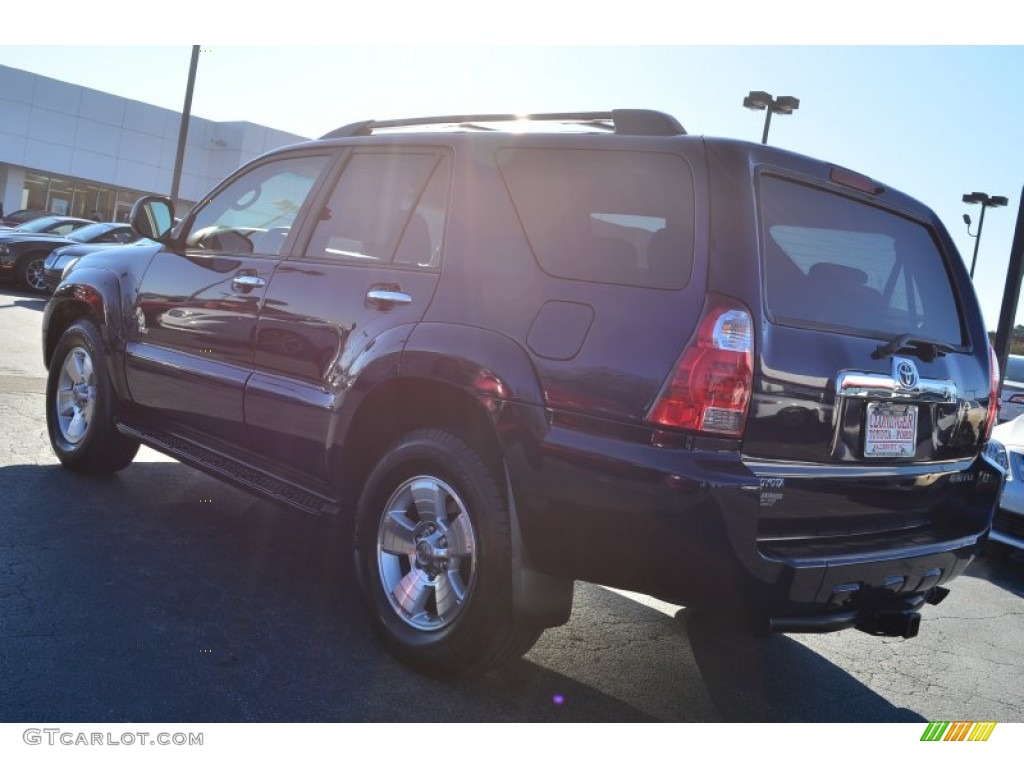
point(1011, 398)
point(1006, 448)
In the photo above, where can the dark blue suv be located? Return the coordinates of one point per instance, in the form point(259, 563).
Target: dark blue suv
point(511, 353)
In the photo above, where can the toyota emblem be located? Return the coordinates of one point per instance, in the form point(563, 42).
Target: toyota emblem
point(905, 372)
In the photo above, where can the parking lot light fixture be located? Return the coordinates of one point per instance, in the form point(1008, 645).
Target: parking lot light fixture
point(985, 201)
point(783, 105)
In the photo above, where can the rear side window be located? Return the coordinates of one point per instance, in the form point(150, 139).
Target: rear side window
point(833, 261)
point(605, 216)
point(387, 207)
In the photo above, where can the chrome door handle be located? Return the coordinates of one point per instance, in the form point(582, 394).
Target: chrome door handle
point(248, 282)
point(385, 299)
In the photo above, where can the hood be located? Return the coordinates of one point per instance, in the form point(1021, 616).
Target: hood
point(1010, 433)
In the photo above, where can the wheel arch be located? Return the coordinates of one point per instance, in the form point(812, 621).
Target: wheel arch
point(451, 377)
point(94, 295)
point(488, 395)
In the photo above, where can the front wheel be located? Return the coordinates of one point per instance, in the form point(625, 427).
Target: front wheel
point(434, 558)
point(80, 401)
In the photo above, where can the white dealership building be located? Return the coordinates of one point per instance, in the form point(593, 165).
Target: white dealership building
point(82, 152)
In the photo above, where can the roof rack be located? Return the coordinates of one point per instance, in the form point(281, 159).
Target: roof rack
point(632, 122)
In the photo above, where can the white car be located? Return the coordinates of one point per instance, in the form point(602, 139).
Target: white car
point(1011, 398)
point(1006, 448)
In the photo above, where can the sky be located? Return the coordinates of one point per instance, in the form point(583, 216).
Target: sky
point(935, 122)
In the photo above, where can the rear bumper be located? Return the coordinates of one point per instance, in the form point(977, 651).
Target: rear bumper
point(686, 526)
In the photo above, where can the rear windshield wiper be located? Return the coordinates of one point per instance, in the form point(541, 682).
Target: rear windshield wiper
point(908, 345)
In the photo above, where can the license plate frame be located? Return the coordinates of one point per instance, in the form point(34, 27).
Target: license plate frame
point(890, 431)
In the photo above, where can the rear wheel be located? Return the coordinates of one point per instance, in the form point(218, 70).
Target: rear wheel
point(434, 558)
point(31, 272)
point(80, 399)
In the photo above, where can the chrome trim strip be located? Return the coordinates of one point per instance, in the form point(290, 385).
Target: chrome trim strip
point(763, 468)
point(884, 386)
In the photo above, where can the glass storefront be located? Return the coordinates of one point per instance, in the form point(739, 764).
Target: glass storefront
point(77, 197)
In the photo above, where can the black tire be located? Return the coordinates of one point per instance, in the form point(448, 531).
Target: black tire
point(80, 405)
point(400, 539)
point(30, 272)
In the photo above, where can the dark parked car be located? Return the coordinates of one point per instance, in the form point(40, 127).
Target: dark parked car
point(23, 252)
point(61, 258)
point(47, 225)
point(20, 217)
point(720, 373)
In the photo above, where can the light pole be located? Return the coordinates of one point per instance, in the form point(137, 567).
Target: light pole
point(186, 113)
point(783, 105)
point(986, 202)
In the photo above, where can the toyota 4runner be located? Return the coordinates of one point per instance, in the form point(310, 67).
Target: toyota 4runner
point(517, 352)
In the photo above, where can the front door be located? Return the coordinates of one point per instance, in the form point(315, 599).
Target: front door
point(190, 339)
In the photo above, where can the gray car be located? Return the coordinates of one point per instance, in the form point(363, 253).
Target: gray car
point(1006, 448)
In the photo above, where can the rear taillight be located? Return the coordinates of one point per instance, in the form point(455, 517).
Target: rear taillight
point(709, 390)
point(993, 396)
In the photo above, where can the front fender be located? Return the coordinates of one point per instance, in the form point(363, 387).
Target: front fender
point(94, 293)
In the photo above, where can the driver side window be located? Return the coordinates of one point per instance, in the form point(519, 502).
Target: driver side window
point(254, 213)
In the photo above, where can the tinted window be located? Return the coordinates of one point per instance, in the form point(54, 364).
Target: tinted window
point(604, 216)
point(1014, 368)
point(44, 224)
point(833, 261)
point(254, 213)
point(382, 209)
point(92, 233)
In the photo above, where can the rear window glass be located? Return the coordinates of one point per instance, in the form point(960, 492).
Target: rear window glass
point(605, 216)
point(833, 261)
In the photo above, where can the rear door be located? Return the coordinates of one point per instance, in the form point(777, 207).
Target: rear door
point(368, 266)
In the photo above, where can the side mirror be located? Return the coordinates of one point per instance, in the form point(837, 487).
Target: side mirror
point(152, 217)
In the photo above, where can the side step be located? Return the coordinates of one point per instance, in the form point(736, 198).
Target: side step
point(231, 470)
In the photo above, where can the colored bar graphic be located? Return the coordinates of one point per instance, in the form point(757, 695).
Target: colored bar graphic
point(958, 731)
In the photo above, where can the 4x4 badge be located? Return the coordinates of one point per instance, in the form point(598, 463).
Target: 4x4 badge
point(904, 372)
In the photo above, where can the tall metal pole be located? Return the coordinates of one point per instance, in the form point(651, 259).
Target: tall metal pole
point(977, 239)
point(186, 113)
point(767, 122)
point(1011, 295)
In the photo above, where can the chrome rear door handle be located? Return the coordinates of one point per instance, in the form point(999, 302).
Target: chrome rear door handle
point(385, 299)
point(248, 282)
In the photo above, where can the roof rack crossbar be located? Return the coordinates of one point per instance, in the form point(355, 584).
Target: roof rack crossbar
point(636, 122)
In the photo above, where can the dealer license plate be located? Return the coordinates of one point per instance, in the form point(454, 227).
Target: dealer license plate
point(890, 431)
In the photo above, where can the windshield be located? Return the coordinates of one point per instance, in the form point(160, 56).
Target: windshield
point(38, 225)
point(85, 234)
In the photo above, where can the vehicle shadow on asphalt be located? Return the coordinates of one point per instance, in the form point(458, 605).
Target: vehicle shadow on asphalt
point(776, 679)
point(1003, 567)
point(30, 300)
point(162, 595)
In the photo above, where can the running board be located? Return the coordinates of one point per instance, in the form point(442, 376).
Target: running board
point(233, 471)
